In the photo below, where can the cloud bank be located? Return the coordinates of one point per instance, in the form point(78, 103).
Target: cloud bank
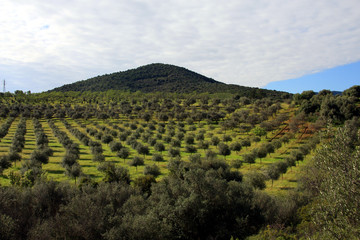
point(44, 44)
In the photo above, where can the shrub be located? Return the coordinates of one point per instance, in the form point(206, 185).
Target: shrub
point(137, 161)
point(152, 170)
point(157, 157)
point(115, 146)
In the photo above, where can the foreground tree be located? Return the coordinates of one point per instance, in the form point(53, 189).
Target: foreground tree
point(333, 177)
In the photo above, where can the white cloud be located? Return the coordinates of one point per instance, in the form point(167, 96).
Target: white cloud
point(44, 44)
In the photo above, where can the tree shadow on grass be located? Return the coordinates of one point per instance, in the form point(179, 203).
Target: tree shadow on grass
point(92, 175)
point(56, 171)
point(56, 151)
point(29, 148)
point(89, 166)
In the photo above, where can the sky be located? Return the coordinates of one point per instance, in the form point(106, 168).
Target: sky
point(334, 79)
point(257, 43)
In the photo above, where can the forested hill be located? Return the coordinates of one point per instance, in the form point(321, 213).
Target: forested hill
point(163, 78)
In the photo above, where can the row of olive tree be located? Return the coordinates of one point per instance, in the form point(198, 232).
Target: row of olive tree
point(96, 147)
point(69, 161)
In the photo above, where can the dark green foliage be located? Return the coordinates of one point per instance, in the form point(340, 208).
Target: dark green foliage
point(213, 218)
point(69, 159)
point(163, 78)
point(304, 149)
point(152, 141)
point(180, 136)
point(215, 140)
point(299, 156)
point(249, 158)
point(200, 137)
point(224, 149)
point(261, 152)
point(157, 157)
point(277, 143)
point(210, 155)
point(282, 166)
point(245, 143)
point(175, 143)
point(18, 140)
point(106, 139)
point(98, 158)
point(236, 146)
point(142, 149)
point(152, 170)
point(14, 157)
point(73, 171)
point(190, 149)
point(258, 131)
point(4, 163)
point(190, 139)
point(115, 146)
point(270, 148)
point(7, 227)
point(333, 180)
point(256, 179)
point(227, 138)
point(256, 139)
point(290, 161)
point(96, 147)
point(203, 145)
point(136, 161)
point(174, 152)
point(40, 156)
point(354, 91)
point(144, 183)
point(237, 163)
point(123, 153)
point(273, 172)
point(5, 127)
point(114, 173)
point(195, 158)
point(160, 147)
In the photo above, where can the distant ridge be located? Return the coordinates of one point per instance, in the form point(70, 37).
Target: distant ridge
point(337, 92)
point(158, 77)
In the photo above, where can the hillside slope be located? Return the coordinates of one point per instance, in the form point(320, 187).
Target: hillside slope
point(159, 77)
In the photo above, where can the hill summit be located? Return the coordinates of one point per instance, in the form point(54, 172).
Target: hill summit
point(158, 77)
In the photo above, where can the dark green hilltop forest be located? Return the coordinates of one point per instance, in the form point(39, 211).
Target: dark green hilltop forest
point(158, 77)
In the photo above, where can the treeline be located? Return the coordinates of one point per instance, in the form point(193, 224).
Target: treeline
point(147, 107)
point(325, 105)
